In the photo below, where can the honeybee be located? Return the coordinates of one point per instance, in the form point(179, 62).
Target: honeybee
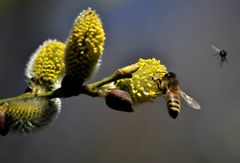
point(169, 85)
point(221, 53)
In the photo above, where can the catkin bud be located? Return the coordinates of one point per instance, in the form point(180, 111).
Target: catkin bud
point(46, 66)
point(141, 87)
point(3, 128)
point(119, 100)
point(84, 46)
point(26, 116)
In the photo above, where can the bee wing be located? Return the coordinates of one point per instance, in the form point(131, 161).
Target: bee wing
point(215, 48)
point(189, 100)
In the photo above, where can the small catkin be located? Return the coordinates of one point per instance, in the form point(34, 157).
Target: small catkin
point(142, 86)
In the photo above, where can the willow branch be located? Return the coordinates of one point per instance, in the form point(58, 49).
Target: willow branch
point(125, 72)
point(93, 89)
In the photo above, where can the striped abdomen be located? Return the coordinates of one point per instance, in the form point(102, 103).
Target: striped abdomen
point(173, 103)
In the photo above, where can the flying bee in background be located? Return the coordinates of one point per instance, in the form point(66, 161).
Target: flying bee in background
point(169, 85)
point(221, 53)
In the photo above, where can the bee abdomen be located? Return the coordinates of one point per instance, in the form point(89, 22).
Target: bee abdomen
point(173, 104)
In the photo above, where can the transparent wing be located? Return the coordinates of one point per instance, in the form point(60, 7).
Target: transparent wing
point(215, 48)
point(189, 100)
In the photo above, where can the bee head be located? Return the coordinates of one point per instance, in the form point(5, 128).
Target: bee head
point(223, 53)
point(170, 75)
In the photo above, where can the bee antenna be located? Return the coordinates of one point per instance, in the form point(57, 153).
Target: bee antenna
point(171, 70)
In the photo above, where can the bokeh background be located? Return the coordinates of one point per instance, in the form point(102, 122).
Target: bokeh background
point(179, 33)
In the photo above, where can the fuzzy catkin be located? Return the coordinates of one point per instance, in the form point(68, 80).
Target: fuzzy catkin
point(142, 86)
point(84, 46)
point(46, 66)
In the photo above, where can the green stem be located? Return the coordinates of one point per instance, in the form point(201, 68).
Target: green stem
point(27, 96)
point(92, 89)
point(125, 72)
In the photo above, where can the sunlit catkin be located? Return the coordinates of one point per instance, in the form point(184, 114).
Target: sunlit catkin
point(141, 86)
point(46, 66)
point(84, 46)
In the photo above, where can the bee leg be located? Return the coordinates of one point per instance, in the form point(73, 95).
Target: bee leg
point(222, 60)
point(221, 63)
point(158, 82)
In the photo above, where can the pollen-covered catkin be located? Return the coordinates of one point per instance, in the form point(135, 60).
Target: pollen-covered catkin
point(46, 66)
point(84, 46)
point(142, 86)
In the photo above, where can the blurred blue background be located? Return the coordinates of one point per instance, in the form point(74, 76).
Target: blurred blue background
point(179, 33)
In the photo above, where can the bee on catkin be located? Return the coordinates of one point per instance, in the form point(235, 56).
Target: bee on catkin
point(169, 85)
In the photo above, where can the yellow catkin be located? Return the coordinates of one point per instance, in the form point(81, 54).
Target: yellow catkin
point(46, 65)
point(85, 45)
point(25, 116)
point(142, 86)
